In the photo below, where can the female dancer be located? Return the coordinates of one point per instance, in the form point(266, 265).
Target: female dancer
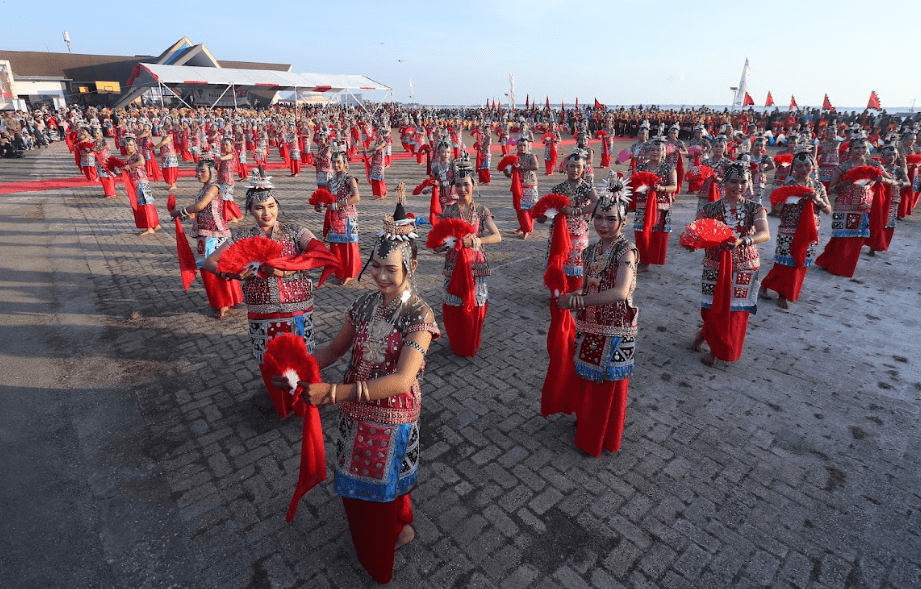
point(582, 199)
point(653, 242)
point(788, 273)
point(527, 168)
point(850, 222)
point(282, 301)
point(378, 150)
point(748, 220)
point(606, 327)
point(388, 332)
point(226, 166)
point(342, 234)
point(550, 139)
point(145, 215)
point(170, 158)
point(465, 328)
point(101, 149)
point(210, 232)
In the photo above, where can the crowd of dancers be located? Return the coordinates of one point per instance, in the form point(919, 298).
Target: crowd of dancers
point(723, 163)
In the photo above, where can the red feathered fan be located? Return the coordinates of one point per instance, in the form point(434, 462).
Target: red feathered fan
point(784, 159)
point(113, 164)
point(549, 205)
point(695, 150)
point(254, 251)
point(547, 136)
point(862, 175)
point(321, 196)
point(451, 232)
point(703, 172)
point(642, 181)
point(913, 159)
point(448, 232)
point(705, 233)
point(781, 194)
point(187, 266)
point(507, 161)
point(286, 356)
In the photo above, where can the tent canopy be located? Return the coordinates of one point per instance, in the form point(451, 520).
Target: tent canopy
point(155, 75)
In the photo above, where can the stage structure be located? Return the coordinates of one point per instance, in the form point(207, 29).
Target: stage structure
point(212, 85)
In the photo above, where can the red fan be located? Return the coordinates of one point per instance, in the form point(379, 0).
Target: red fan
point(286, 356)
point(705, 233)
point(695, 150)
point(255, 250)
point(547, 136)
point(448, 232)
point(862, 175)
point(600, 134)
point(113, 164)
point(321, 196)
point(187, 266)
point(784, 159)
point(507, 161)
point(428, 182)
point(784, 192)
point(913, 159)
point(642, 181)
point(553, 202)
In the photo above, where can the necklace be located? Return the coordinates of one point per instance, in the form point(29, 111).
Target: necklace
point(468, 213)
point(374, 348)
point(598, 263)
point(737, 219)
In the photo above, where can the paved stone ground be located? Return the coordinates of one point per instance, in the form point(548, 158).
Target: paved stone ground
point(790, 468)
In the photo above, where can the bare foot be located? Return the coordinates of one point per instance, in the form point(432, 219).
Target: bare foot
point(525, 235)
point(221, 313)
point(172, 187)
point(698, 344)
point(872, 252)
point(642, 267)
point(782, 303)
point(518, 231)
point(157, 228)
point(381, 197)
point(347, 281)
point(407, 535)
point(763, 293)
point(148, 231)
point(708, 360)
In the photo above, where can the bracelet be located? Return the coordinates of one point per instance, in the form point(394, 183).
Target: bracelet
point(415, 346)
point(184, 213)
point(362, 391)
point(332, 394)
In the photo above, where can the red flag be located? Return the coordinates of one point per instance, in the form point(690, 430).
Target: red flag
point(826, 104)
point(792, 102)
point(748, 101)
point(598, 104)
point(874, 101)
point(770, 100)
point(527, 103)
point(547, 105)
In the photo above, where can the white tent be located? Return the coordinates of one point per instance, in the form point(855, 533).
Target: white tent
point(164, 76)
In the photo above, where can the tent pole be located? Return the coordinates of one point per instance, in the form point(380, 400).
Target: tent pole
point(219, 97)
point(234, 99)
point(160, 88)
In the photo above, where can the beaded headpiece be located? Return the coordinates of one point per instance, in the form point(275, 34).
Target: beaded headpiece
point(399, 231)
point(888, 147)
point(740, 169)
point(616, 196)
point(259, 189)
point(462, 166)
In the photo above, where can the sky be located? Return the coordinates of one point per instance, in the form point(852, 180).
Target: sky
point(618, 51)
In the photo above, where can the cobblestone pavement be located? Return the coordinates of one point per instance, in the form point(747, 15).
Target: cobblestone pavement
point(790, 468)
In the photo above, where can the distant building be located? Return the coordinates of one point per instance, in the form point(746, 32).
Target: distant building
point(29, 78)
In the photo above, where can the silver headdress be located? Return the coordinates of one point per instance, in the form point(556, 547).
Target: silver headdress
point(258, 188)
point(616, 196)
